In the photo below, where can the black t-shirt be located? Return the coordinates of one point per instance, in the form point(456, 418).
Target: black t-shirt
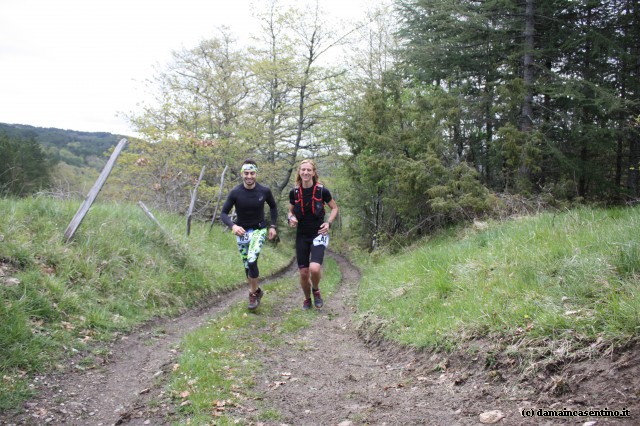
point(309, 224)
point(249, 205)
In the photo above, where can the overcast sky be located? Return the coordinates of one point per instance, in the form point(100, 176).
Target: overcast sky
point(78, 64)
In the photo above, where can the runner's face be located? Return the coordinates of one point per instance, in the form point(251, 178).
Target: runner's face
point(249, 178)
point(306, 173)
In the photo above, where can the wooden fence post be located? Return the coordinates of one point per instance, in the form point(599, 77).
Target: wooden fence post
point(154, 220)
point(93, 193)
point(194, 195)
point(215, 213)
point(172, 243)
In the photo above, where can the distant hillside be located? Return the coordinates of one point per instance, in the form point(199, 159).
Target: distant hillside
point(81, 149)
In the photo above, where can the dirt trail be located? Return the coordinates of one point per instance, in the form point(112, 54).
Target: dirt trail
point(109, 395)
point(333, 374)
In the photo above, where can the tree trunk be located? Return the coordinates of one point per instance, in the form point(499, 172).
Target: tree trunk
point(526, 121)
point(634, 163)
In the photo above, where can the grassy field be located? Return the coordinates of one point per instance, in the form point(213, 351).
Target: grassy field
point(59, 300)
point(554, 277)
point(570, 277)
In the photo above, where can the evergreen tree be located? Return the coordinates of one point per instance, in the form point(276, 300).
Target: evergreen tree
point(548, 89)
point(24, 168)
point(408, 179)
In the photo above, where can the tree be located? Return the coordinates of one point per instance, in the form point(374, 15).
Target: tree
point(546, 88)
point(373, 52)
point(408, 180)
point(197, 121)
point(272, 102)
point(24, 168)
point(468, 48)
point(294, 94)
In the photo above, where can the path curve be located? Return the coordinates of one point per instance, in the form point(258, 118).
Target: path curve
point(108, 395)
point(335, 373)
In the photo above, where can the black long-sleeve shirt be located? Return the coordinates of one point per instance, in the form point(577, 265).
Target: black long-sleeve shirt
point(249, 204)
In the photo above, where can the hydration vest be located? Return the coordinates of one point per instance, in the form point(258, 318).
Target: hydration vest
point(317, 203)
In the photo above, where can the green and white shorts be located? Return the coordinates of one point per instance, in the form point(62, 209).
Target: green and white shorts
point(249, 246)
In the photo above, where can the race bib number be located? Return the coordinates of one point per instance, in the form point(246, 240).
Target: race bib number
point(244, 239)
point(321, 240)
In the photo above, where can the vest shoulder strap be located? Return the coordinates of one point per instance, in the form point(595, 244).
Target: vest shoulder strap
point(297, 191)
point(297, 188)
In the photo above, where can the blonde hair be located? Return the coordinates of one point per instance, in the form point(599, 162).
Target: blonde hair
point(315, 172)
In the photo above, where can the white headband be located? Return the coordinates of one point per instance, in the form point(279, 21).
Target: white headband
point(249, 167)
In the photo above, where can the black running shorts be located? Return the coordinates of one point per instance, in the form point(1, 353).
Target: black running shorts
point(307, 251)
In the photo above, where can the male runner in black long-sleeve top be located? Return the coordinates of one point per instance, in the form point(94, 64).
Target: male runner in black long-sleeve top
point(250, 227)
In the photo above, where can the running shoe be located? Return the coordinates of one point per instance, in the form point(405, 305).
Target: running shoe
point(317, 299)
point(254, 299)
point(307, 304)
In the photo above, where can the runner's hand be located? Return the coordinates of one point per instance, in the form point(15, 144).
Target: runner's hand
point(324, 228)
point(238, 230)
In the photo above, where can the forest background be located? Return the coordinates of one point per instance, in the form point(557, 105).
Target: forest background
point(424, 114)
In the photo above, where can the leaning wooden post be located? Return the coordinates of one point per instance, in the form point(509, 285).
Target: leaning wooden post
point(172, 243)
point(154, 220)
point(93, 193)
point(215, 213)
point(194, 195)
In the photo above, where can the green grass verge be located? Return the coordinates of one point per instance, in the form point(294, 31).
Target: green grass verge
point(571, 276)
point(58, 300)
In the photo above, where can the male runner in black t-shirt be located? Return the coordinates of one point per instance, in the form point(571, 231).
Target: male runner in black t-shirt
point(250, 227)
